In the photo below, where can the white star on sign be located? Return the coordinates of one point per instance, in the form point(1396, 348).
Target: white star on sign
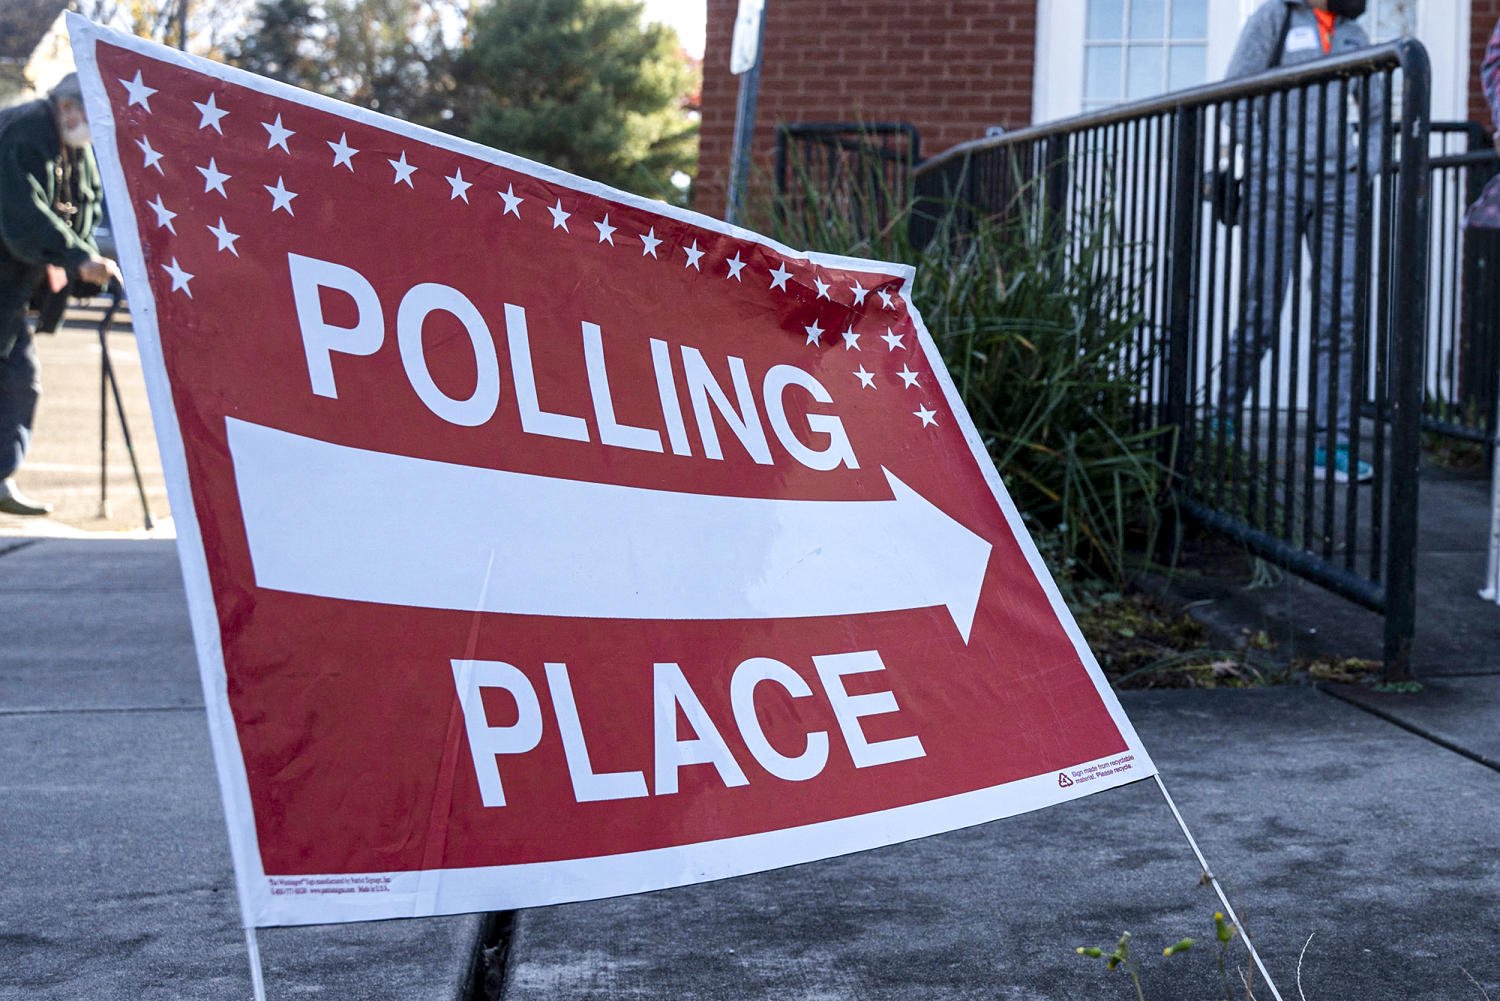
point(343, 152)
point(211, 113)
point(180, 278)
point(404, 170)
point(459, 185)
point(892, 339)
point(823, 288)
point(512, 201)
point(139, 92)
point(908, 377)
point(694, 255)
point(866, 379)
point(779, 277)
point(281, 198)
point(226, 239)
point(735, 267)
point(885, 298)
point(650, 243)
point(859, 293)
point(559, 217)
point(929, 417)
point(153, 158)
point(851, 340)
point(813, 332)
point(213, 178)
point(606, 231)
point(278, 133)
point(164, 215)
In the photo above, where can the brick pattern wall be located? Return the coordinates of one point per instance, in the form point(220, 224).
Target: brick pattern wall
point(950, 67)
point(1485, 14)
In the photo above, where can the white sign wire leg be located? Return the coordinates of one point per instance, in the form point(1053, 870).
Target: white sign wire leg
point(257, 979)
point(1223, 897)
point(1491, 590)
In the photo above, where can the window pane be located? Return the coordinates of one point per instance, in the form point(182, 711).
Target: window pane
point(1101, 75)
point(1188, 66)
point(1106, 19)
point(1189, 19)
point(1148, 19)
point(1144, 75)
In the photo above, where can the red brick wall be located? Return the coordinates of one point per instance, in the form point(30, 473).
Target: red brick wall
point(950, 67)
point(1485, 14)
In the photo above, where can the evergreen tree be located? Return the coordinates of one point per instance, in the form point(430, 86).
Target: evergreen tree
point(581, 85)
point(387, 55)
point(283, 44)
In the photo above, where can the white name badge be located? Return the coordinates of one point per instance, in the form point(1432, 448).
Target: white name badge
point(1301, 39)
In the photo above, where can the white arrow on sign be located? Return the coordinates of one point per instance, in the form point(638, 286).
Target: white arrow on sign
point(341, 522)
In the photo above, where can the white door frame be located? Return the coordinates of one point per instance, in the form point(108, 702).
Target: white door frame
point(1444, 27)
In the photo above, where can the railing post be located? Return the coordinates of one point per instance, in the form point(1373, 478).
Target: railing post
point(783, 140)
point(1477, 335)
point(1408, 336)
point(1056, 171)
point(937, 198)
point(1169, 223)
point(1181, 258)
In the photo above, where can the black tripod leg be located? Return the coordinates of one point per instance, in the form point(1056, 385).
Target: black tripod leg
point(114, 385)
point(104, 508)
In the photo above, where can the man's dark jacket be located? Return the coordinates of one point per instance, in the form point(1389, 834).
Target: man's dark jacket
point(50, 200)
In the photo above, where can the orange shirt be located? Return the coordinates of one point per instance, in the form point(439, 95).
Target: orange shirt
point(1325, 27)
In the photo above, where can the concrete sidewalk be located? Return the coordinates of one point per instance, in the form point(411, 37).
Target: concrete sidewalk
point(1457, 633)
point(1370, 822)
point(1363, 826)
point(116, 865)
point(1324, 819)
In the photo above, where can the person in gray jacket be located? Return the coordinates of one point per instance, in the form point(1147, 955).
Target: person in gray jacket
point(1310, 190)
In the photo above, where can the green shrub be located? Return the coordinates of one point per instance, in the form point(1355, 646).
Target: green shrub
point(1044, 345)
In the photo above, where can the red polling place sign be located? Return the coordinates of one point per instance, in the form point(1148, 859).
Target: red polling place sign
point(544, 542)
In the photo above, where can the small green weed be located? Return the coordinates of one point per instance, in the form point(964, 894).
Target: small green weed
point(1344, 670)
point(1121, 958)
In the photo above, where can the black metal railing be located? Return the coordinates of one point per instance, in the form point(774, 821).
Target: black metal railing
point(1282, 402)
point(862, 170)
point(1463, 339)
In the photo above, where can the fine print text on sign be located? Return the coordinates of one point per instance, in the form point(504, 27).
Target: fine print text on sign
point(544, 542)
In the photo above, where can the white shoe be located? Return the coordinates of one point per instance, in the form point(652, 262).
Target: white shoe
point(12, 501)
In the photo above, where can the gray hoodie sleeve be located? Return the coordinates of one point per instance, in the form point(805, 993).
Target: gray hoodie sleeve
point(1255, 48)
point(1253, 52)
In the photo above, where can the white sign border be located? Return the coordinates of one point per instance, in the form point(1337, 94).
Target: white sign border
point(455, 891)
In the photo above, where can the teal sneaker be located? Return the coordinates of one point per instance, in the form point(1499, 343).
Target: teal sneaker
point(1363, 471)
point(1221, 427)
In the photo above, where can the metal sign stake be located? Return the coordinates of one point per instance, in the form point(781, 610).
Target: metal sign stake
point(1208, 874)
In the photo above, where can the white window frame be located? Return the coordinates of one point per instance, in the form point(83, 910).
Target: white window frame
point(1057, 90)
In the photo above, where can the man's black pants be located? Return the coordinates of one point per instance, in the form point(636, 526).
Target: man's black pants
point(20, 386)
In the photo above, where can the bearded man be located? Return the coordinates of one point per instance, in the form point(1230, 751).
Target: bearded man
point(50, 202)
